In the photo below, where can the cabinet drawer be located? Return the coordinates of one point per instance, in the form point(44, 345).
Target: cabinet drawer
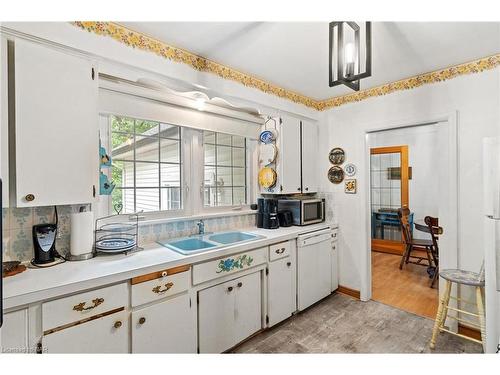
point(228, 265)
point(279, 250)
point(159, 288)
point(109, 334)
point(84, 305)
point(335, 234)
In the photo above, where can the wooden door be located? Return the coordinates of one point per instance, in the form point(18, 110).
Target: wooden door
point(109, 334)
point(309, 157)
point(216, 320)
point(280, 296)
point(389, 176)
point(165, 327)
point(289, 156)
point(56, 126)
point(247, 307)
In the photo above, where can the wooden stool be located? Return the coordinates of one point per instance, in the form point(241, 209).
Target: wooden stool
point(464, 278)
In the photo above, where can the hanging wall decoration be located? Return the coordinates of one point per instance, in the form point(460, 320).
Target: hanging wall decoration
point(350, 170)
point(106, 186)
point(336, 156)
point(335, 175)
point(350, 186)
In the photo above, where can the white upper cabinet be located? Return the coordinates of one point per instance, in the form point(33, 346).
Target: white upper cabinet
point(297, 157)
point(4, 125)
point(309, 157)
point(289, 156)
point(56, 127)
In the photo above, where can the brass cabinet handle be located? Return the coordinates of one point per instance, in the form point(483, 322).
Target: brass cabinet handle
point(288, 264)
point(240, 284)
point(29, 197)
point(230, 289)
point(158, 289)
point(118, 324)
point(280, 251)
point(142, 320)
point(81, 306)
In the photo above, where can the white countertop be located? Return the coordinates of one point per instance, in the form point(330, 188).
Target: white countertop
point(34, 285)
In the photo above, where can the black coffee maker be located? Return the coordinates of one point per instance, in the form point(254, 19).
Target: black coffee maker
point(267, 213)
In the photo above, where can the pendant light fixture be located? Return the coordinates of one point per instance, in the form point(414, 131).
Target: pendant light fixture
point(350, 58)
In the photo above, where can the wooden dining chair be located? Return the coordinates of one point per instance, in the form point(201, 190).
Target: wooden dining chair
point(434, 230)
point(413, 247)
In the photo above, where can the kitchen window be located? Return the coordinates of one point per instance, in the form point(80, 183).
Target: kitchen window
point(146, 165)
point(225, 169)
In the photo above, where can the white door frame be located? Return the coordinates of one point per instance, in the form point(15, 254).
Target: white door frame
point(448, 213)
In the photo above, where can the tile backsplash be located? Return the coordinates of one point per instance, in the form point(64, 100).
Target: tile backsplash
point(18, 222)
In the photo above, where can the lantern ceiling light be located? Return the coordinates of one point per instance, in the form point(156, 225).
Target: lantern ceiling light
point(350, 58)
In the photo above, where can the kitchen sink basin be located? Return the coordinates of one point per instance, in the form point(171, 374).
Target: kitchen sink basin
point(189, 245)
point(232, 237)
point(192, 245)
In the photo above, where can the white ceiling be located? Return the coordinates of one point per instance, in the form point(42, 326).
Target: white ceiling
point(294, 55)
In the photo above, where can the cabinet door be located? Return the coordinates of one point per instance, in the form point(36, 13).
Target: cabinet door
point(335, 265)
point(309, 157)
point(216, 321)
point(165, 327)
point(15, 332)
point(56, 130)
point(4, 123)
point(108, 334)
point(280, 294)
point(248, 306)
point(289, 155)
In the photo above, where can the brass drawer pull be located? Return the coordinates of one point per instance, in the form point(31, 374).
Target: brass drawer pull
point(280, 251)
point(158, 289)
point(81, 306)
point(118, 324)
point(142, 320)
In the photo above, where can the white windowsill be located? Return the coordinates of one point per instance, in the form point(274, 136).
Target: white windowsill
point(196, 217)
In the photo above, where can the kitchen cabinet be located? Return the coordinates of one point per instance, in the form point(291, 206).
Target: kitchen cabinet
point(106, 334)
point(297, 156)
point(56, 127)
point(280, 292)
point(15, 332)
point(289, 156)
point(335, 260)
point(229, 313)
point(309, 133)
point(4, 123)
point(165, 327)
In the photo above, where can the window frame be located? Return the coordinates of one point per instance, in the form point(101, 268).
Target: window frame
point(192, 176)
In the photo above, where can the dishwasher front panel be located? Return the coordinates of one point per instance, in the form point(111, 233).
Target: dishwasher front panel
point(314, 271)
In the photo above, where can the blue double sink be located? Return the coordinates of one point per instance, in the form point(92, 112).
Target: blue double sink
point(195, 244)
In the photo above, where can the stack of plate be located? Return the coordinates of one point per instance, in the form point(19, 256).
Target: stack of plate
point(117, 240)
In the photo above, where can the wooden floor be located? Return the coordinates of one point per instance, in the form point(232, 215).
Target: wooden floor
point(406, 289)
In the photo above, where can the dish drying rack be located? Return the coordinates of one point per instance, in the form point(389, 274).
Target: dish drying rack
point(115, 236)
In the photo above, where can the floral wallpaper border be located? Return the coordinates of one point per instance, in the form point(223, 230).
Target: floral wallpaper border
point(140, 41)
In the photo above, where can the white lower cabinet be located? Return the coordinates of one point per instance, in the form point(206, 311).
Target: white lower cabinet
point(15, 332)
point(108, 334)
point(229, 312)
point(165, 327)
point(280, 291)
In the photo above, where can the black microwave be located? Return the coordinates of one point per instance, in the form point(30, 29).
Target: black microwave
point(304, 211)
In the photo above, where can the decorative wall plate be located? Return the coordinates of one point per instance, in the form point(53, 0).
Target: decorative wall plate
point(267, 136)
point(350, 170)
point(267, 154)
point(335, 174)
point(336, 156)
point(267, 177)
point(350, 186)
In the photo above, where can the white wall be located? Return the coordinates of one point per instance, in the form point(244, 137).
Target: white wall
point(475, 99)
point(423, 157)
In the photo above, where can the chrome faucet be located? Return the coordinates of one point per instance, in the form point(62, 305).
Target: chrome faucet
point(201, 227)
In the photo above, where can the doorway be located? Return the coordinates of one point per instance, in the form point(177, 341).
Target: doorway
point(403, 175)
